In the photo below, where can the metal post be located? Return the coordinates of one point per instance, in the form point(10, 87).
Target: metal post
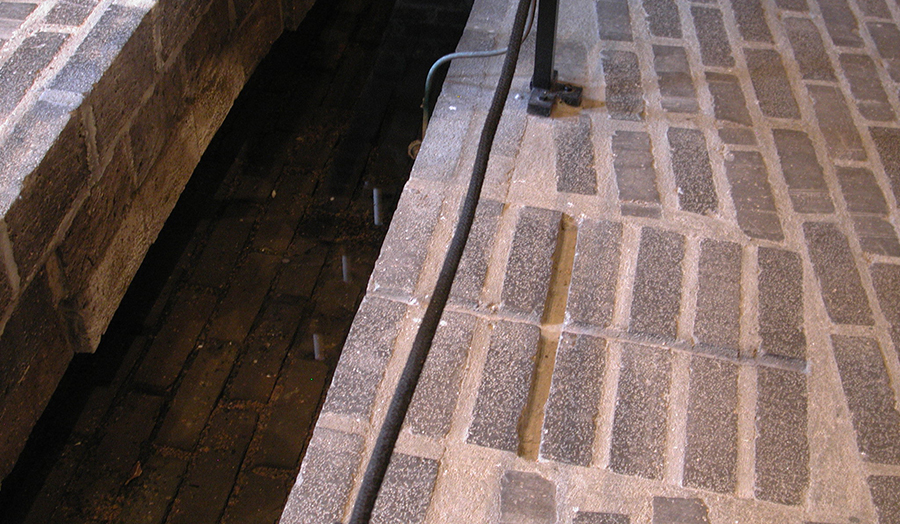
point(545, 89)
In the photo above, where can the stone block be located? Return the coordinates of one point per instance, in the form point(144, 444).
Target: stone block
point(841, 23)
point(469, 280)
point(836, 124)
point(156, 120)
point(835, 266)
point(255, 34)
point(886, 280)
point(575, 156)
point(710, 455)
point(693, 174)
point(861, 190)
point(590, 517)
point(592, 290)
point(802, 172)
point(679, 511)
point(614, 20)
point(70, 13)
point(781, 304)
point(738, 136)
point(782, 448)
point(876, 235)
point(887, 141)
point(770, 81)
point(530, 263)
point(809, 50)
point(874, 8)
point(176, 20)
point(674, 76)
point(635, 172)
point(662, 17)
point(241, 305)
point(866, 88)
point(406, 491)
point(656, 300)
point(715, 50)
point(624, 94)
point(752, 195)
point(728, 98)
point(206, 41)
point(751, 20)
point(885, 495)
point(527, 498)
point(21, 69)
point(717, 324)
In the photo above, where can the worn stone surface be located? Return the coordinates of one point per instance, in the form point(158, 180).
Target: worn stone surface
point(717, 324)
point(674, 76)
point(841, 23)
point(406, 491)
point(624, 91)
point(614, 20)
point(751, 20)
point(836, 123)
point(781, 304)
point(710, 460)
point(469, 280)
point(728, 99)
point(770, 81)
point(530, 262)
point(657, 288)
point(752, 195)
point(635, 172)
point(715, 50)
point(526, 498)
point(802, 172)
point(592, 291)
point(885, 493)
point(866, 88)
point(587, 517)
point(782, 446)
point(575, 157)
point(845, 298)
point(693, 173)
point(662, 17)
point(679, 511)
point(809, 51)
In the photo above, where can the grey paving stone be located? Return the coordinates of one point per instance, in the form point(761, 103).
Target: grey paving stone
point(782, 449)
point(871, 100)
point(530, 262)
point(679, 511)
point(662, 17)
point(887, 141)
point(527, 498)
point(70, 13)
point(781, 304)
point(809, 50)
point(505, 383)
point(886, 280)
point(886, 496)
point(836, 124)
point(751, 20)
point(845, 298)
point(728, 99)
point(693, 174)
point(589, 517)
point(435, 397)
point(792, 5)
point(326, 476)
point(368, 347)
point(802, 172)
point(406, 492)
point(639, 425)
point(624, 92)
point(840, 22)
point(633, 163)
point(16, 10)
point(614, 20)
point(574, 401)
point(861, 191)
point(876, 8)
point(717, 326)
point(575, 156)
point(469, 280)
point(656, 301)
point(876, 235)
point(715, 50)
point(592, 291)
point(21, 69)
point(752, 195)
point(710, 455)
point(770, 81)
point(674, 76)
point(887, 41)
point(738, 136)
point(870, 397)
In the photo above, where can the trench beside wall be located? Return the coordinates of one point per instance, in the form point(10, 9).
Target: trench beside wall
point(105, 111)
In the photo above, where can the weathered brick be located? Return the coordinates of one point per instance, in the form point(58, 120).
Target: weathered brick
point(242, 303)
point(639, 426)
point(887, 141)
point(674, 76)
point(710, 455)
point(752, 195)
point(588, 517)
point(874, 8)
point(876, 235)
point(156, 121)
point(574, 400)
point(505, 383)
point(679, 511)
point(148, 500)
point(751, 20)
point(21, 69)
point(406, 491)
point(802, 172)
point(717, 325)
point(871, 100)
point(614, 20)
point(662, 16)
point(715, 50)
point(840, 22)
point(527, 498)
point(886, 280)
point(530, 262)
point(781, 304)
point(693, 174)
point(469, 280)
point(70, 13)
point(657, 287)
point(836, 124)
point(845, 299)
point(809, 50)
point(872, 403)
point(305, 259)
point(738, 136)
point(223, 247)
point(782, 449)
point(861, 191)
point(792, 5)
point(770, 81)
point(885, 495)
point(575, 156)
point(728, 99)
point(592, 290)
point(258, 498)
point(624, 94)
point(887, 41)
point(635, 173)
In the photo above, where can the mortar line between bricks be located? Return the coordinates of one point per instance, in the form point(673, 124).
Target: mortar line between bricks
point(676, 417)
point(746, 432)
point(607, 408)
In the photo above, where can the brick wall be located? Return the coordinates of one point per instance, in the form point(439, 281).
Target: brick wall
point(106, 109)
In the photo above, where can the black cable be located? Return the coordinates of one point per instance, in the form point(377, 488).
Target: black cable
point(393, 422)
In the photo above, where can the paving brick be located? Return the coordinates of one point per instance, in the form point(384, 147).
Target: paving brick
point(770, 81)
point(876, 235)
point(782, 449)
point(662, 16)
point(871, 100)
point(258, 498)
point(674, 75)
point(728, 99)
point(574, 401)
point(575, 156)
point(197, 395)
point(406, 492)
point(224, 246)
point(792, 5)
point(635, 173)
point(887, 41)
point(656, 300)
point(693, 174)
point(840, 22)
point(887, 141)
point(717, 326)
point(624, 91)
point(505, 383)
point(751, 20)
point(738, 136)
point(870, 398)
point(715, 50)
point(70, 13)
point(836, 124)
point(752, 195)
point(21, 69)
point(861, 191)
point(845, 298)
point(710, 455)
point(434, 400)
point(679, 511)
point(614, 20)
point(298, 276)
point(809, 50)
point(326, 476)
point(527, 498)
point(587, 517)
point(639, 426)
point(16, 10)
point(877, 8)
point(242, 303)
point(469, 280)
point(530, 262)
point(176, 338)
point(885, 495)
point(802, 172)
point(147, 499)
point(886, 280)
point(781, 304)
point(592, 290)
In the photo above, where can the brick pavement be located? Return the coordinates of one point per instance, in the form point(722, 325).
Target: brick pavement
point(680, 301)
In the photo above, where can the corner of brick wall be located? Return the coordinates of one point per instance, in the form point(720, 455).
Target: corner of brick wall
point(99, 162)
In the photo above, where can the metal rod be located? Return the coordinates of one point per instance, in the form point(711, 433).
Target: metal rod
point(317, 347)
point(545, 44)
point(345, 267)
point(376, 205)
